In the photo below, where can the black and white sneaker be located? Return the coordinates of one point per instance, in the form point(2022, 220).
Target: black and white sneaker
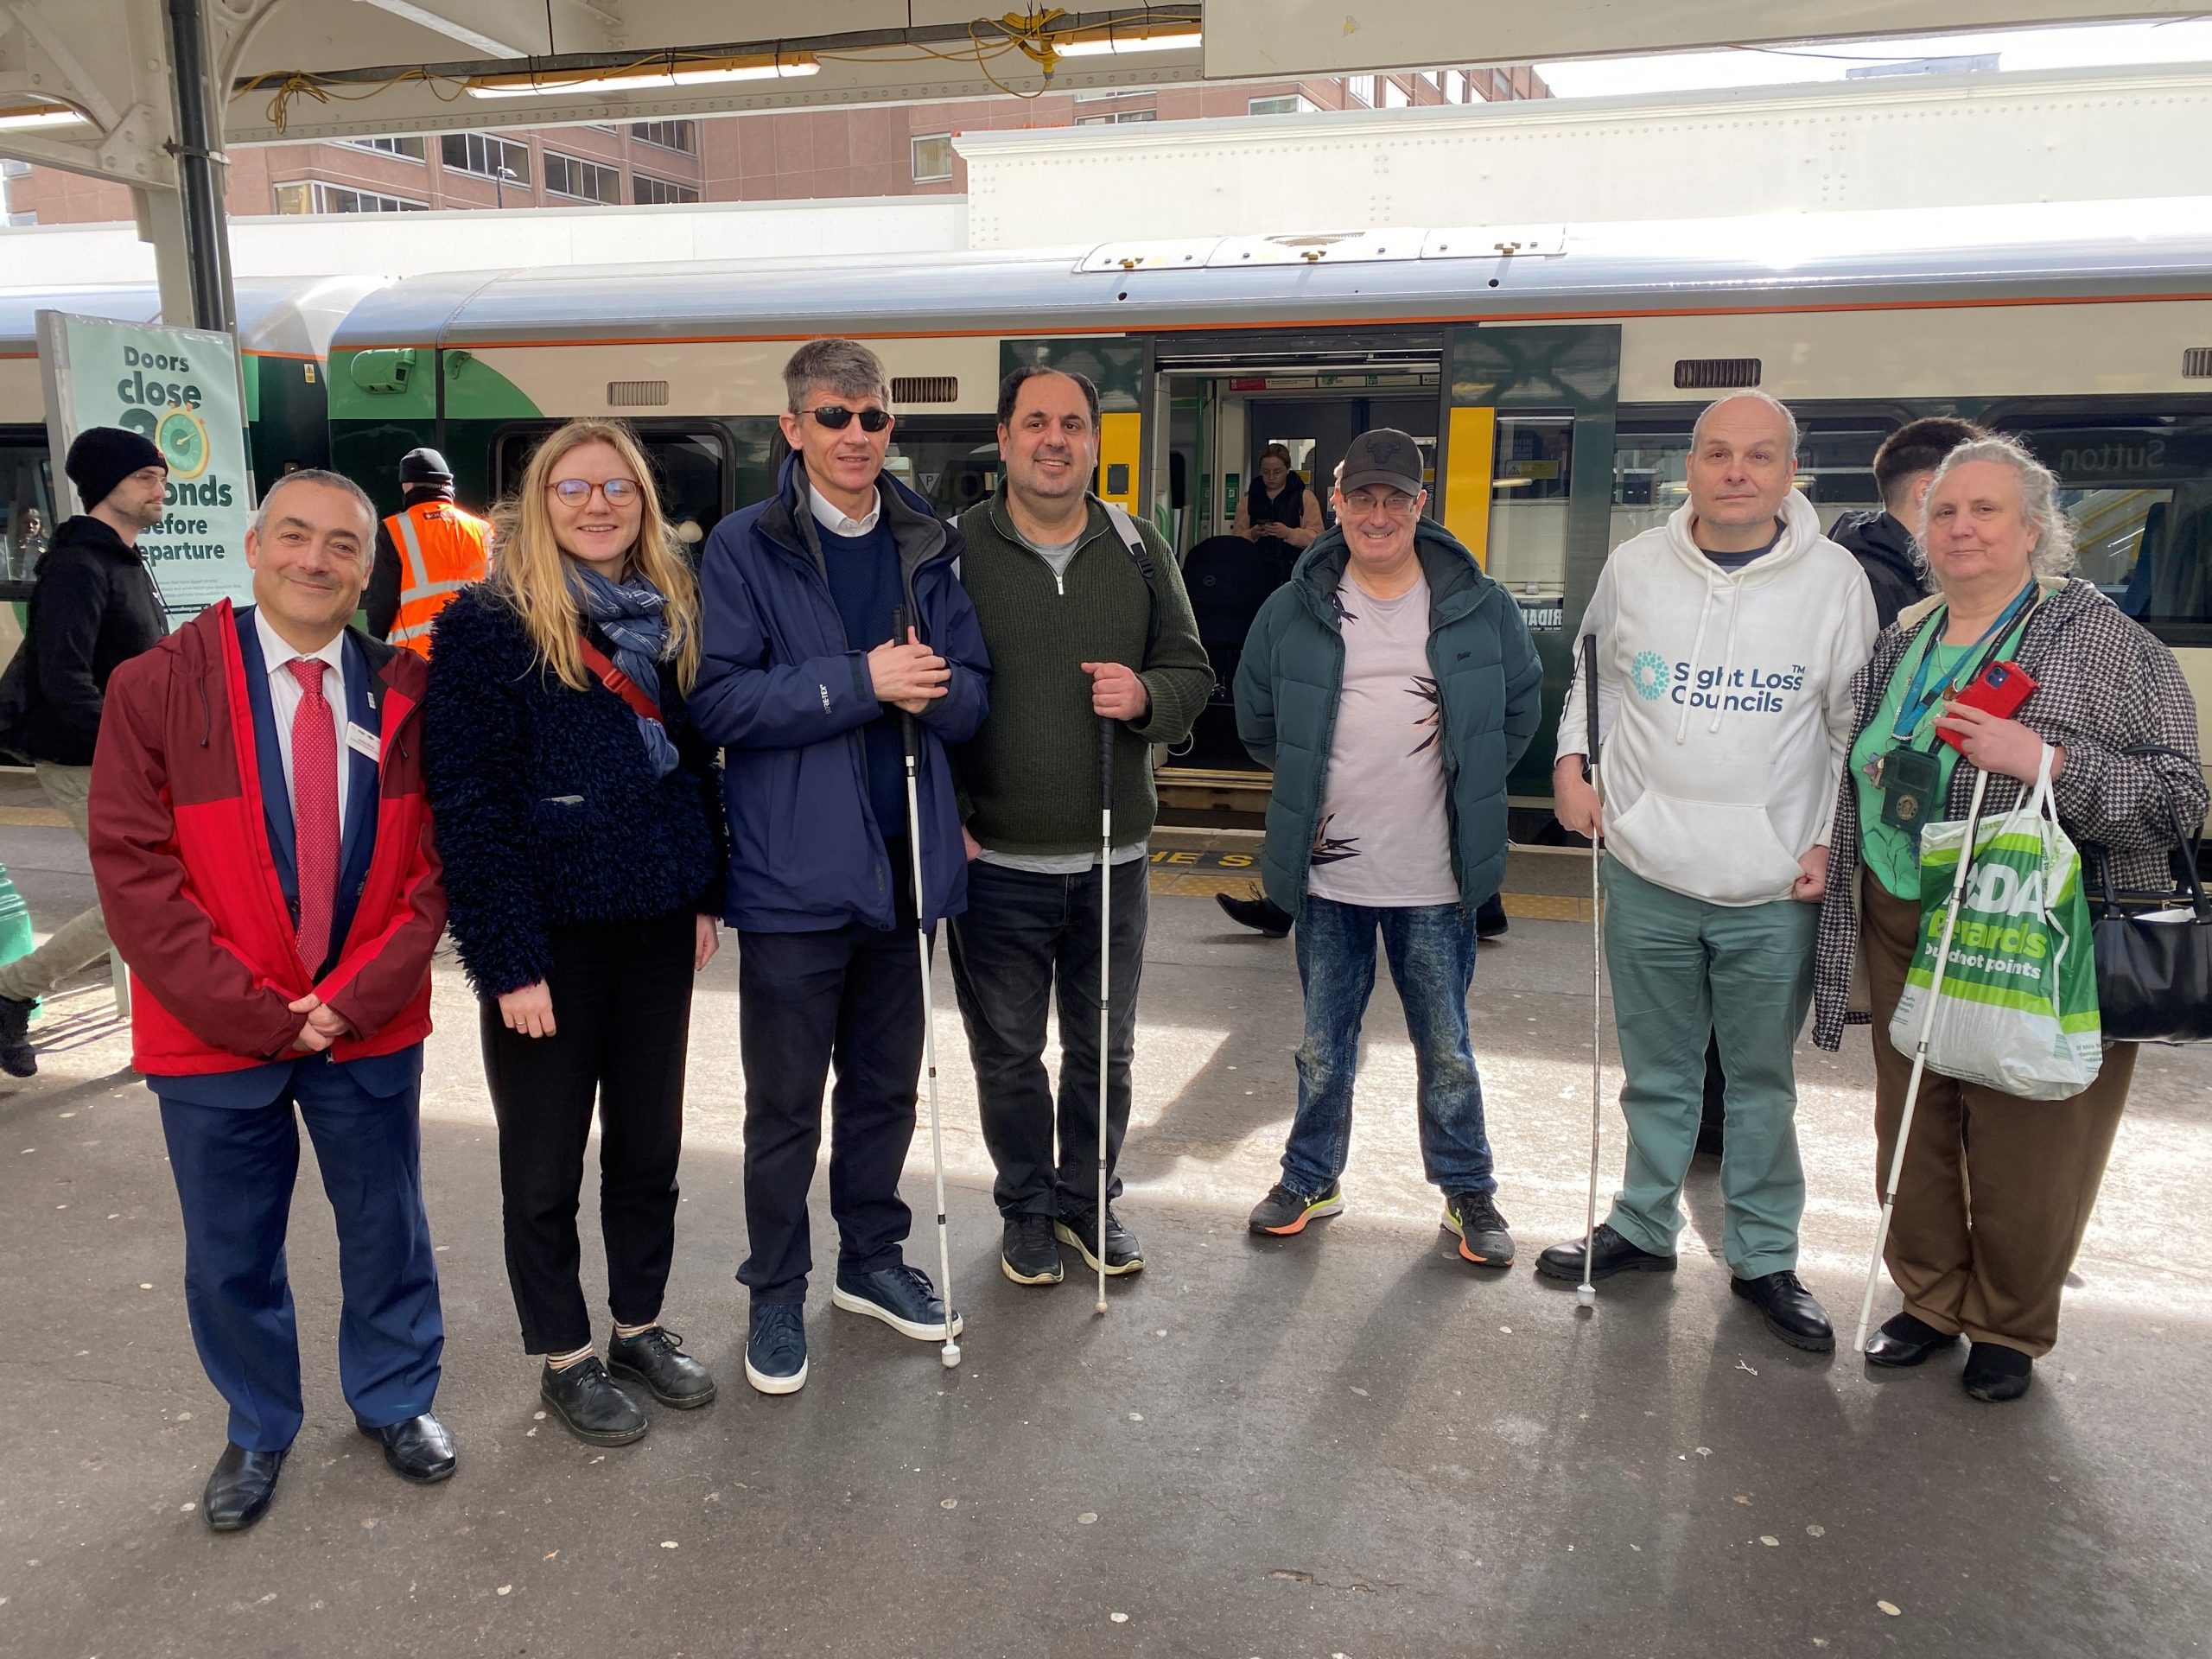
point(1482, 1238)
point(775, 1348)
point(1080, 1229)
point(1028, 1254)
point(902, 1297)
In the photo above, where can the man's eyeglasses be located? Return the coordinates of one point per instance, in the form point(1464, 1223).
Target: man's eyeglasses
point(575, 492)
point(837, 417)
point(1397, 503)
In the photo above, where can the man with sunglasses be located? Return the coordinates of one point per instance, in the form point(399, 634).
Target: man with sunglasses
point(803, 682)
point(1390, 685)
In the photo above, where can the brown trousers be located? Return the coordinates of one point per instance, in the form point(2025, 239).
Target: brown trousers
point(1996, 1190)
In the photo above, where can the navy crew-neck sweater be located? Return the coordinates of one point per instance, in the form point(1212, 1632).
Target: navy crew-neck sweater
point(863, 573)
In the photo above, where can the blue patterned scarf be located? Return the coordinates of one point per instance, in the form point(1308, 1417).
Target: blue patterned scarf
point(630, 614)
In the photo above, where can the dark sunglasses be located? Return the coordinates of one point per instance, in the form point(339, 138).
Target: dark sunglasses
point(837, 417)
point(574, 491)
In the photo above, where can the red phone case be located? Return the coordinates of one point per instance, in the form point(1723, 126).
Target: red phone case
point(1998, 689)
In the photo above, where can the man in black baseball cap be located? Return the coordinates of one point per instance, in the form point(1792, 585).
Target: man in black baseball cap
point(1389, 684)
point(95, 607)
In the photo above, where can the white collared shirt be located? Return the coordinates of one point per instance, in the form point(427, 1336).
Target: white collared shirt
point(836, 519)
point(285, 695)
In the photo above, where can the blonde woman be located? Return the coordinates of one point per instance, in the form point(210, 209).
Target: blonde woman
point(579, 818)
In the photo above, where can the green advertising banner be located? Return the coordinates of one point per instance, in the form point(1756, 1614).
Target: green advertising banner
point(178, 387)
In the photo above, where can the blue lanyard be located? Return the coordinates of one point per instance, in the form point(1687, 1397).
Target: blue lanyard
point(1920, 696)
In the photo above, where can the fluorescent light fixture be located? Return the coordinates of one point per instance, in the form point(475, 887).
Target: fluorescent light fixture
point(35, 118)
point(650, 77)
point(1113, 42)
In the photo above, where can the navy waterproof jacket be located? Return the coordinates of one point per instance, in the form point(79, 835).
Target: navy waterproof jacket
point(787, 694)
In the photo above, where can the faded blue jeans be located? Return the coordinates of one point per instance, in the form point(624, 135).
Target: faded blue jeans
point(1431, 950)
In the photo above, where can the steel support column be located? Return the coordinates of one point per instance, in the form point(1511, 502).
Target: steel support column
point(200, 172)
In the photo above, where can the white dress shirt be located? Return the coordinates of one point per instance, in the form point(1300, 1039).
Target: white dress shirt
point(285, 695)
point(836, 519)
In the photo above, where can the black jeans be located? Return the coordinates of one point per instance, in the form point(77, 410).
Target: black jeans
point(851, 995)
point(1021, 933)
point(622, 1014)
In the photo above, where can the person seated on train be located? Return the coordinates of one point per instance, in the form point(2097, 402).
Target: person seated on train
point(1881, 541)
point(1279, 508)
point(1390, 685)
point(1726, 641)
point(1987, 1223)
point(805, 680)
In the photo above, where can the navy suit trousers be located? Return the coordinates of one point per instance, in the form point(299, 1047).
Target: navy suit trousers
point(235, 1166)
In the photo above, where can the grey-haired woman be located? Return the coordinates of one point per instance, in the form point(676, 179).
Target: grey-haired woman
point(1996, 1190)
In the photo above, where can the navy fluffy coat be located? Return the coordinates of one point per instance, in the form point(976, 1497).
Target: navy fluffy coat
point(547, 810)
point(787, 695)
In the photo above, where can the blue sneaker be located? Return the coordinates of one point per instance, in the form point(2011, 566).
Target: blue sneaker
point(775, 1348)
point(902, 1297)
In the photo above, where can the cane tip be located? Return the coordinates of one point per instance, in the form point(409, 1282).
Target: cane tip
point(950, 1354)
point(1586, 1295)
point(1098, 1306)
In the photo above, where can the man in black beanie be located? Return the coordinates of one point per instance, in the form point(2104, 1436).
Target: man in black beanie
point(95, 607)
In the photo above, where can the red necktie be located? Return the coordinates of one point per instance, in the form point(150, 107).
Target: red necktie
point(315, 810)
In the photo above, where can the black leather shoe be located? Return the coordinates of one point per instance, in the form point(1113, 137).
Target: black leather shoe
point(1995, 1373)
point(239, 1489)
point(1614, 1255)
point(585, 1398)
point(418, 1450)
point(1789, 1310)
point(16, 1059)
point(1903, 1340)
point(656, 1358)
point(1490, 921)
point(1258, 912)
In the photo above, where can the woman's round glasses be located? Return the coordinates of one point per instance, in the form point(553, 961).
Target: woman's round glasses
point(574, 491)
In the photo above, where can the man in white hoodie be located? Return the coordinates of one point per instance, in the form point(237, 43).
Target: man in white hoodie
point(1726, 639)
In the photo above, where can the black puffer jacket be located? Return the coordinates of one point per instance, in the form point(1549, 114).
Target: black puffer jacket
point(1885, 550)
point(94, 608)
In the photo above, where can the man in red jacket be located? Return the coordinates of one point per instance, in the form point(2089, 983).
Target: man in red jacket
point(262, 843)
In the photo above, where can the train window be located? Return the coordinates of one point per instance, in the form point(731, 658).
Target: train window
point(2138, 487)
point(1530, 479)
point(1835, 466)
point(27, 507)
point(689, 465)
point(952, 461)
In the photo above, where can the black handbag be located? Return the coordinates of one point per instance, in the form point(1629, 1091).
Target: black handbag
point(2154, 979)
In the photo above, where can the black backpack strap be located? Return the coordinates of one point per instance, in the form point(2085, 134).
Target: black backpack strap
point(1133, 538)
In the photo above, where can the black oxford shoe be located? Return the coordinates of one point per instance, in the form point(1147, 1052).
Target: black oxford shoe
point(1903, 1340)
point(1789, 1310)
point(239, 1489)
point(418, 1450)
point(585, 1397)
point(1259, 912)
point(1995, 1373)
point(656, 1358)
point(1612, 1254)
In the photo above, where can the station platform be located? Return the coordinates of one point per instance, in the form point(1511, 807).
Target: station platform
point(1348, 1446)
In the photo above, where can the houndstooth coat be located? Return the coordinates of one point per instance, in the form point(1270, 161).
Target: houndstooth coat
point(2102, 685)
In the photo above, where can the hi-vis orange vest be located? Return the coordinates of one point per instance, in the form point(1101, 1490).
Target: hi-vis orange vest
point(442, 551)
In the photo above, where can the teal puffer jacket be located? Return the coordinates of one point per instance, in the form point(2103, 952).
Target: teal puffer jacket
point(1292, 677)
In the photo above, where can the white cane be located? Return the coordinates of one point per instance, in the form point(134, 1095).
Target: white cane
point(1586, 1293)
point(1920, 1055)
point(1105, 969)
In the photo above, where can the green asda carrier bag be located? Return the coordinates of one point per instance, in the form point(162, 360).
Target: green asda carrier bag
point(2017, 1009)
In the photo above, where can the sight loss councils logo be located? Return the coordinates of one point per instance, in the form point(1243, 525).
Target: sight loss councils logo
point(1649, 674)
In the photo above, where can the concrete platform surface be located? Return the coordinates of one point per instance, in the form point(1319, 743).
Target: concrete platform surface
point(1345, 1446)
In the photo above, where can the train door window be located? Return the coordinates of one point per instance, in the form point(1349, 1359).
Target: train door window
point(27, 508)
point(689, 466)
point(1530, 479)
point(2139, 488)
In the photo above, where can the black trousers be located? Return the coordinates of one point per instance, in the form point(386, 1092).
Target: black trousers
point(850, 996)
point(622, 1015)
point(1021, 934)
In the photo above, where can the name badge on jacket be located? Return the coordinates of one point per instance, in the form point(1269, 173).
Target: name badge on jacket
point(363, 741)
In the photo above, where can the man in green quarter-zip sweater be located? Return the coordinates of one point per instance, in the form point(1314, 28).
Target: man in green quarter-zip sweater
point(1078, 631)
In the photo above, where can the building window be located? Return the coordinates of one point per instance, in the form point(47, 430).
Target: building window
point(408, 148)
point(932, 158)
point(602, 126)
point(482, 154)
point(1394, 96)
point(659, 192)
point(680, 136)
point(570, 175)
point(1287, 104)
point(313, 196)
point(1459, 87)
point(1118, 118)
point(1360, 89)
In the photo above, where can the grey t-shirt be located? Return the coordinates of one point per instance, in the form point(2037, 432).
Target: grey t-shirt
point(1058, 555)
point(1384, 839)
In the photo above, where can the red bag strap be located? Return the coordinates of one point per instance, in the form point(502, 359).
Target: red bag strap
point(617, 682)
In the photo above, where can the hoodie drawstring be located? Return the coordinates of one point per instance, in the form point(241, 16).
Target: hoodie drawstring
point(1697, 648)
point(1728, 661)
